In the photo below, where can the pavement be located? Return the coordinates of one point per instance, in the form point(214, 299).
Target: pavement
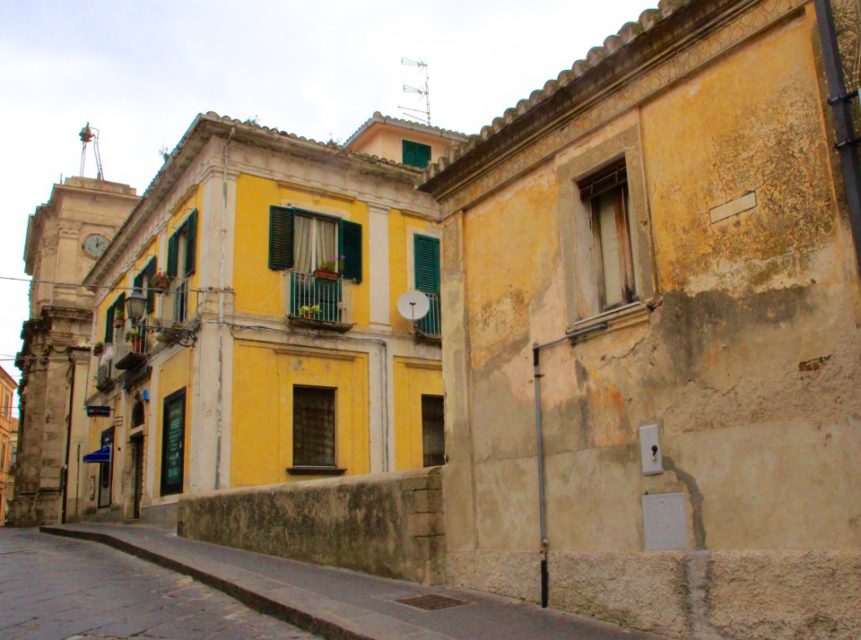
point(59, 589)
point(342, 604)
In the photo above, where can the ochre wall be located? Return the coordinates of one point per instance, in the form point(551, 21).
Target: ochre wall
point(746, 355)
point(262, 437)
point(175, 374)
point(402, 227)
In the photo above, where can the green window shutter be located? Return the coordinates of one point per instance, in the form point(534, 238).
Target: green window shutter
point(190, 241)
point(109, 325)
point(172, 254)
point(150, 271)
point(351, 249)
point(426, 256)
point(280, 238)
point(415, 154)
point(138, 281)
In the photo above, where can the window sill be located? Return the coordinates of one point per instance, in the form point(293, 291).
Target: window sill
point(627, 316)
point(313, 323)
point(316, 471)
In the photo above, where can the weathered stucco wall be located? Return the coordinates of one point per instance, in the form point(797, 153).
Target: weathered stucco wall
point(744, 349)
point(389, 525)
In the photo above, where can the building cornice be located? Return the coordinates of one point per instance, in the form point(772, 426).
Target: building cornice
point(638, 48)
point(206, 127)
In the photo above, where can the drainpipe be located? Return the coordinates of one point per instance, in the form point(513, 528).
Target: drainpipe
point(841, 101)
point(539, 442)
point(219, 411)
point(65, 478)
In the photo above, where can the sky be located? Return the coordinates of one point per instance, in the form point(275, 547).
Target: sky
point(141, 71)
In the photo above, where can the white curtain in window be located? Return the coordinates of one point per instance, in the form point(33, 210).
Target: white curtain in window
point(303, 254)
point(327, 243)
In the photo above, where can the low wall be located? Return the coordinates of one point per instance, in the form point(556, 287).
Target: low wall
point(388, 525)
point(731, 595)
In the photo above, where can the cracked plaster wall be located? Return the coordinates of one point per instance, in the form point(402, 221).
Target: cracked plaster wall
point(749, 361)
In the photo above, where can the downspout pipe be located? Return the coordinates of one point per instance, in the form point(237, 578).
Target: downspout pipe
point(841, 102)
point(544, 547)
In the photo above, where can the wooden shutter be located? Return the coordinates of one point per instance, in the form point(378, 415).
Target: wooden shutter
point(190, 241)
point(281, 224)
point(351, 249)
point(172, 254)
point(150, 271)
point(426, 258)
point(109, 325)
point(415, 154)
point(138, 281)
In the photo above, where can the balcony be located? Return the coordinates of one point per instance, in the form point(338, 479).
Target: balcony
point(319, 303)
point(429, 328)
point(132, 347)
point(177, 308)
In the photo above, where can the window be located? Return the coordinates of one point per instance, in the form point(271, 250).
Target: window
point(112, 318)
point(433, 431)
point(181, 250)
point(605, 196)
point(106, 470)
point(416, 154)
point(313, 427)
point(142, 284)
point(427, 280)
point(302, 241)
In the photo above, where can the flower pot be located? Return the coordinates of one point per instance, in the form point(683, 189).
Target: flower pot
point(325, 274)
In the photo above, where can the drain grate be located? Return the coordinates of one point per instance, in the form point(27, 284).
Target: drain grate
point(431, 602)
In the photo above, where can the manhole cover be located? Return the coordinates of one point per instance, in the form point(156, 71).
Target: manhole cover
point(431, 602)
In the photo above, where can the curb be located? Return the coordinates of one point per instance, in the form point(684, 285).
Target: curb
point(329, 629)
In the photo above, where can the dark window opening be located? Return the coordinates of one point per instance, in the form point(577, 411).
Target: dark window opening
point(433, 431)
point(313, 427)
point(606, 195)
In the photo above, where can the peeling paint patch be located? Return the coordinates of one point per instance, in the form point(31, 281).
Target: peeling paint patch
point(733, 207)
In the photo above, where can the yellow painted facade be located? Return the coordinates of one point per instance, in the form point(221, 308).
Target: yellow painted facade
point(414, 378)
point(244, 348)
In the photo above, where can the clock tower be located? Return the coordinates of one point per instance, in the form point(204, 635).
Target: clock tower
point(65, 236)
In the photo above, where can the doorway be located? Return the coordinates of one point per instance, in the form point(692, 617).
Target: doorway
point(137, 478)
point(106, 470)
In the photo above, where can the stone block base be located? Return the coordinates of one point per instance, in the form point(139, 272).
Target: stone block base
point(749, 595)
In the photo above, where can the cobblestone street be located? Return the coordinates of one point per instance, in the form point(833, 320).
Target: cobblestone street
point(54, 588)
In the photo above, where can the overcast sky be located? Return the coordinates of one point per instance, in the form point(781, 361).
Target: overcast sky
point(140, 72)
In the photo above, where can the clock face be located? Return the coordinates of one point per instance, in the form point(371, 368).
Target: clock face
point(95, 244)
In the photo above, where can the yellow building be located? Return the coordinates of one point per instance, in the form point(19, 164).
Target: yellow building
point(8, 439)
point(651, 317)
point(267, 268)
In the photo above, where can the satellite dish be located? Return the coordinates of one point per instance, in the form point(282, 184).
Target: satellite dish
point(413, 305)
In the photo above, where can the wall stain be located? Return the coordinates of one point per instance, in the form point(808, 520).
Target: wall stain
point(696, 501)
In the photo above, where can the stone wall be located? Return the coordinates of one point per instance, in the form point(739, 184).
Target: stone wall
point(388, 525)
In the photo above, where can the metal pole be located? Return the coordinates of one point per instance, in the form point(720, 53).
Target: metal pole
point(542, 510)
point(841, 102)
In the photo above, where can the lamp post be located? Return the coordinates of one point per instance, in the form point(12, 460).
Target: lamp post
point(136, 306)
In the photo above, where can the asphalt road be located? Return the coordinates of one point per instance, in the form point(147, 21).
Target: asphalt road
point(57, 589)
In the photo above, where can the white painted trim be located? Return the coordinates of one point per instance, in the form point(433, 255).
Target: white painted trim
point(378, 262)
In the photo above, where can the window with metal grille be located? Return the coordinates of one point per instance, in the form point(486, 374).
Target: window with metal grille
point(607, 196)
point(313, 426)
point(433, 432)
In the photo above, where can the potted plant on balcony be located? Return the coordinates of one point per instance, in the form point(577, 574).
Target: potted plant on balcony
point(98, 349)
point(329, 268)
point(136, 339)
point(119, 317)
point(160, 282)
point(309, 310)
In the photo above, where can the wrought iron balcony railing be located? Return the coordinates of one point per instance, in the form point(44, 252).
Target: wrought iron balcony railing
point(431, 325)
point(321, 302)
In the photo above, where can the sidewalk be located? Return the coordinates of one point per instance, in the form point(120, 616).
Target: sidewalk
point(336, 603)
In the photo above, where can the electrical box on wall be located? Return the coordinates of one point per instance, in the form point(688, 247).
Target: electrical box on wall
point(650, 450)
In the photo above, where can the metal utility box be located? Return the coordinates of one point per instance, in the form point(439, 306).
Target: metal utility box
point(664, 522)
point(650, 450)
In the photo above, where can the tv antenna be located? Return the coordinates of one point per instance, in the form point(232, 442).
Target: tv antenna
point(423, 114)
point(91, 134)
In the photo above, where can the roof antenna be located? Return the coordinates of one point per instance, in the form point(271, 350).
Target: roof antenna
point(91, 134)
point(423, 114)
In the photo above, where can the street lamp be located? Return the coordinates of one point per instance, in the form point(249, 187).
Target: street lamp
point(136, 306)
